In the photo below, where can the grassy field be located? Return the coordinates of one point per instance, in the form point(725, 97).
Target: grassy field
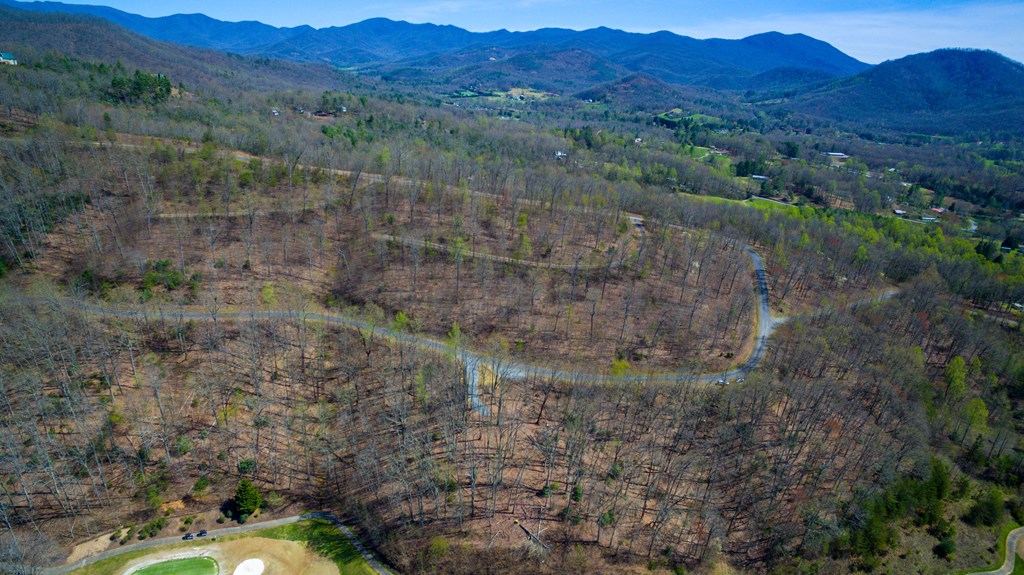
point(997, 560)
point(324, 538)
point(321, 537)
point(768, 205)
point(115, 565)
point(190, 566)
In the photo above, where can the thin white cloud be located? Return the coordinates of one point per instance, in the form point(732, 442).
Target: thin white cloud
point(874, 36)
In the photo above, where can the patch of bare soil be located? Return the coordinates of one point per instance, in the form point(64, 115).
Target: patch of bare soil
point(278, 556)
point(172, 506)
point(89, 548)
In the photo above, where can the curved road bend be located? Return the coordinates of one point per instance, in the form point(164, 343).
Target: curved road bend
point(766, 325)
point(374, 563)
point(1011, 554)
point(507, 369)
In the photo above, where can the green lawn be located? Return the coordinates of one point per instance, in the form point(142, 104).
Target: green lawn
point(769, 206)
point(997, 561)
point(321, 536)
point(327, 540)
point(190, 566)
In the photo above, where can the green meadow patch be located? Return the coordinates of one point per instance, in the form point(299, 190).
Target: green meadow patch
point(189, 566)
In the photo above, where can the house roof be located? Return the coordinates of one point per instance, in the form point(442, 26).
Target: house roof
point(6, 56)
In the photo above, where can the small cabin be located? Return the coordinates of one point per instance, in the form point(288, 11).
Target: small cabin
point(8, 58)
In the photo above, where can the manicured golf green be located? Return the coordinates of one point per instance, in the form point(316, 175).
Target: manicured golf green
point(190, 566)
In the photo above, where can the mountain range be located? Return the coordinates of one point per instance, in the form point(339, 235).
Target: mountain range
point(98, 40)
point(946, 91)
point(941, 92)
point(401, 49)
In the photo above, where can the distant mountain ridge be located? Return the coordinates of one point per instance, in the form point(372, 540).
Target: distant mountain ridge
point(945, 91)
point(95, 39)
point(384, 46)
point(190, 29)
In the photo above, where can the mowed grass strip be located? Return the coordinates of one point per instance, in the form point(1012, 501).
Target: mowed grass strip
point(321, 536)
point(115, 565)
point(324, 537)
point(189, 566)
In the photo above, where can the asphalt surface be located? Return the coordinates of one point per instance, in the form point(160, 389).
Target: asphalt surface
point(214, 533)
point(471, 360)
point(1011, 554)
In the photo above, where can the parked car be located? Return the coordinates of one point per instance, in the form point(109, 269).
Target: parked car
point(188, 537)
point(740, 380)
point(722, 382)
point(202, 533)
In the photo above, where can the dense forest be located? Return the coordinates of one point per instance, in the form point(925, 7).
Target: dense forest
point(487, 330)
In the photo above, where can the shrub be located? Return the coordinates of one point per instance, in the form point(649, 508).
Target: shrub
point(945, 549)
point(183, 445)
point(577, 493)
point(152, 528)
point(201, 484)
point(246, 466)
point(161, 273)
point(247, 498)
point(987, 509)
point(439, 546)
point(615, 472)
point(273, 500)
point(569, 515)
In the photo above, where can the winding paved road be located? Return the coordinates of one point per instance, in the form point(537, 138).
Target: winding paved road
point(213, 533)
point(766, 324)
point(1011, 554)
point(505, 368)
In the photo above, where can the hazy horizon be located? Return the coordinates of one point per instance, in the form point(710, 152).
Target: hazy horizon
point(869, 30)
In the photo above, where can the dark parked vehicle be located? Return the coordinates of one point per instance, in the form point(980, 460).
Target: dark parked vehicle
point(188, 537)
point(202, 533)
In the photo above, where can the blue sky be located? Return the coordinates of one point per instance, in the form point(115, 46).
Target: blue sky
point(870, 30)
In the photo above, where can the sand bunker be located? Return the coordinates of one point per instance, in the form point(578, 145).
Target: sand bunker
point(250, 567)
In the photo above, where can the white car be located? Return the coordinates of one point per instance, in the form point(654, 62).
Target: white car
point(722, 382)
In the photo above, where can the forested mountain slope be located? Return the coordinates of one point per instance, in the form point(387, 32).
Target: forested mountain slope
point(380, 43)
point(175, 234)
point(945, 91)
point(190, 29)
point(96, 39)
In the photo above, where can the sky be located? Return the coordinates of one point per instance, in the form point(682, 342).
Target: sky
point(869, 30)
